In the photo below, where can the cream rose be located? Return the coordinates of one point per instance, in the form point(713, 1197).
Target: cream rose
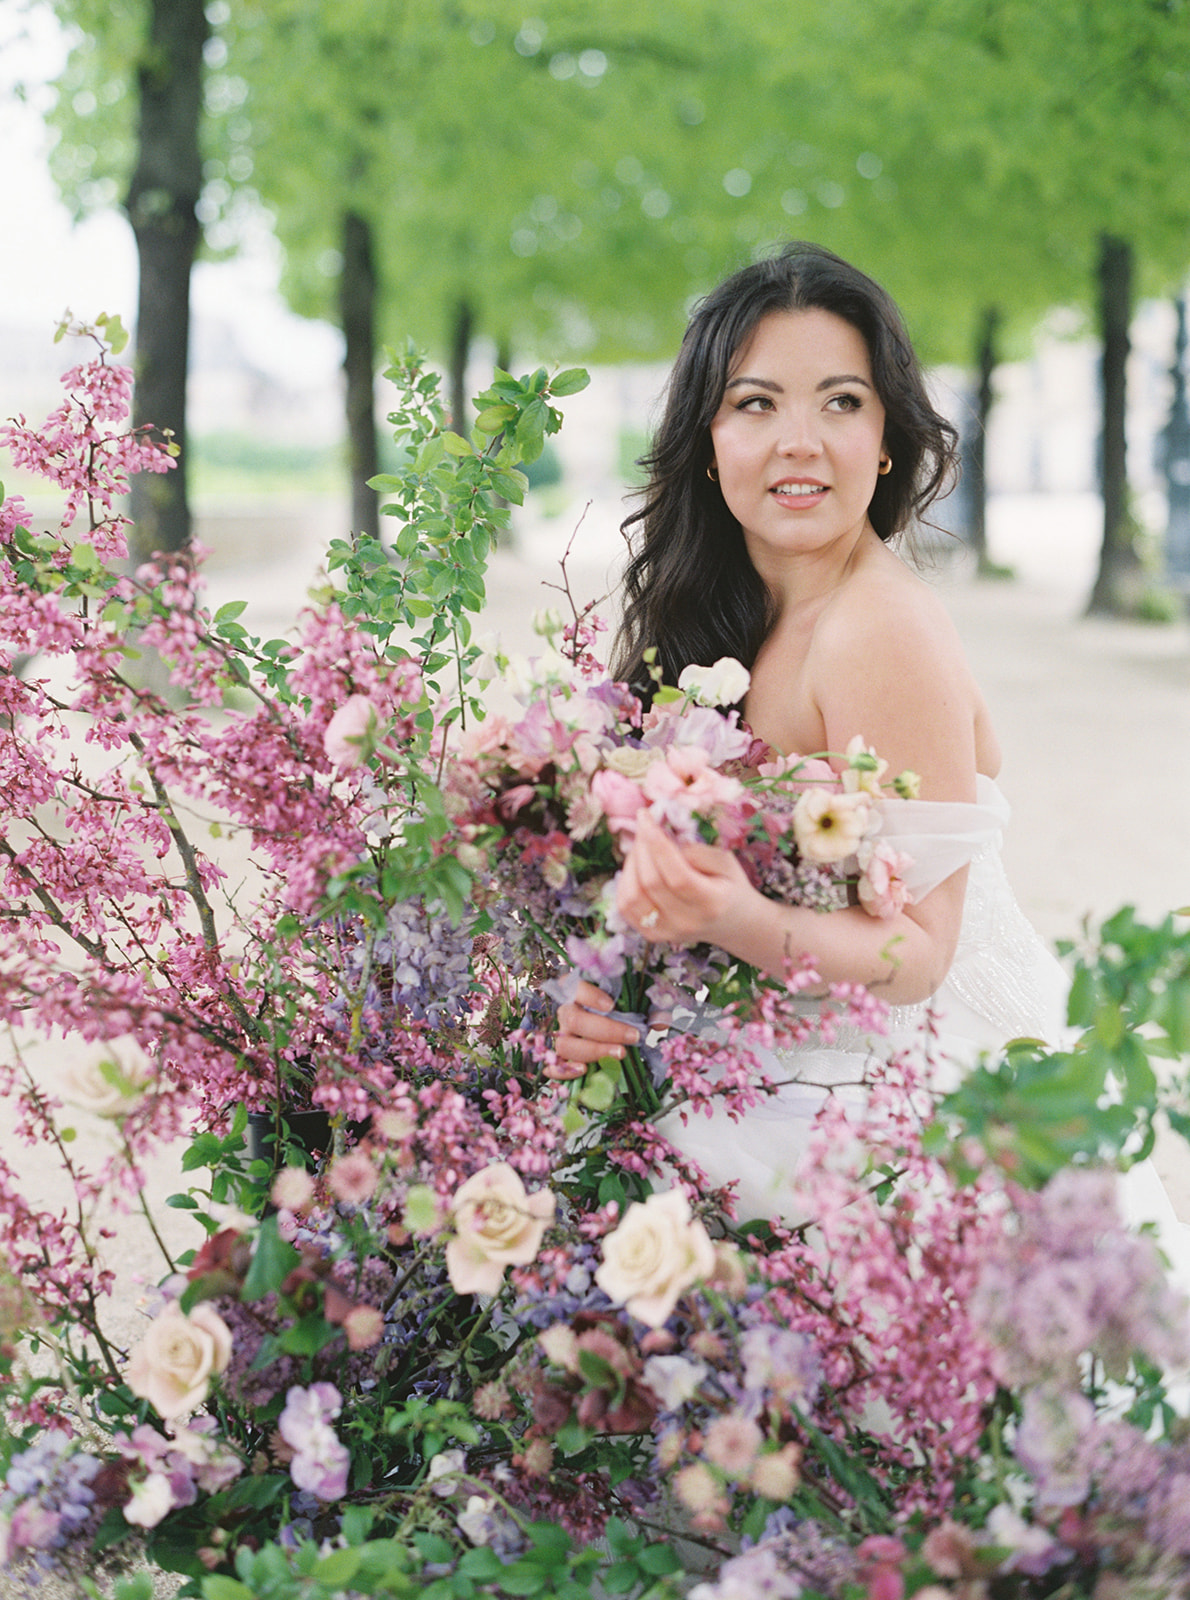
point(496, 1225)
point(174, 1363)
point(658, 1251)
point(724, 684)
point(829, 826)
point(110, 1081)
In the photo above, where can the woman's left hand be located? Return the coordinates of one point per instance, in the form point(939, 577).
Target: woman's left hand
point(681, 893)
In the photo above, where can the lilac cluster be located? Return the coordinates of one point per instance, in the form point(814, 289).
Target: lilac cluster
point(1075, 1280)
point(800, 1559)
point(780, 1361)
point(320, 1461)
point(422, 962)
point(46, 1500)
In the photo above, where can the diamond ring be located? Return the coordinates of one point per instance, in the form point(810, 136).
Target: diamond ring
point(650, 918)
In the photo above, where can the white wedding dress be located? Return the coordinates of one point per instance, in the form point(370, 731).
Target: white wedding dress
point(1003, 984)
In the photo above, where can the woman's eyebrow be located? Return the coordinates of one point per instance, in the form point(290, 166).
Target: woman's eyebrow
point(775, 388)
point(755, 383)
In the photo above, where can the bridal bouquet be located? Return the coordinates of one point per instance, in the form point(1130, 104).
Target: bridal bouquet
point(483, 1333)
point(544, 805)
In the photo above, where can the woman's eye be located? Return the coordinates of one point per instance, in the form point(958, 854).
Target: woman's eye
point(755, 402)
point(845, 402)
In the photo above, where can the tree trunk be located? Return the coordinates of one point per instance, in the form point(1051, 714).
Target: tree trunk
point(1119, 565)
point(977, 458)
point(461, 333)
point(357, 311)
point(162, 199)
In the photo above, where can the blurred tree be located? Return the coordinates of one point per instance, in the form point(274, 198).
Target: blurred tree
point(159, 44)
point(569, 182)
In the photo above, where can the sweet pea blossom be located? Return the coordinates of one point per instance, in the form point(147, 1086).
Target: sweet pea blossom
point(351, 733)
point(173, 1365)
point(724, 684)
point(497, 1224)
point(656, 1253)
point(865, 769)
point(321, 1461)
point(829, 826)
point(152, 1498)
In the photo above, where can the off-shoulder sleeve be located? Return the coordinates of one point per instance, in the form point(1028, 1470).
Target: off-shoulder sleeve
point(940, 836)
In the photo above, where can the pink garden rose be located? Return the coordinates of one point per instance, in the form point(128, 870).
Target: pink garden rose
point(174, 1363)
point(619, 798)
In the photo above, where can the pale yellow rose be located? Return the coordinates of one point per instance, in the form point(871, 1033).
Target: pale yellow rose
point(496, 1225)
point(631, 762)
point(174, 1363)
point(829, 826)
point(658, 1251)
point(109, 1081)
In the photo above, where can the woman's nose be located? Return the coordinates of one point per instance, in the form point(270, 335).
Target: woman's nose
point(799, 435)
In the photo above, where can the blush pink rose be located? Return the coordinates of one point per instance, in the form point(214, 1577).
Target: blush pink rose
point(882, 888)
point(497, 1224)
point(351, 731)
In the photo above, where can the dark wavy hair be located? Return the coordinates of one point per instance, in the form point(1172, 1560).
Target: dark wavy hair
point(690, 589)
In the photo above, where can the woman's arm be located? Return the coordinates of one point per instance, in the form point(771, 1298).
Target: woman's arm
point(695, 894)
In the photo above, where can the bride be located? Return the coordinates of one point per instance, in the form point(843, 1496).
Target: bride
point(797, 446)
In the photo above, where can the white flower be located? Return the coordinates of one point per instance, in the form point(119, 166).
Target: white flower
point(724, 684)
point(547, 621)
point(446, 1464)
point(151, 1499)
point(486, 665)
point(829, 826)
point(673, 1379)
point(174, 1363)
point(110, 1081)
point(477, 1522)
point(655, 1255)
point(496, 1225)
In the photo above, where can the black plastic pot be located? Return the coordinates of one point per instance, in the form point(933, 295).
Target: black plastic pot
point(309, 1131)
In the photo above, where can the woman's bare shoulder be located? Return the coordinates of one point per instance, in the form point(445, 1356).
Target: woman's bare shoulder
point(891, 614)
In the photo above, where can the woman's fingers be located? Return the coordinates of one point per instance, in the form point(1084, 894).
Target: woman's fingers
point(586, 1033)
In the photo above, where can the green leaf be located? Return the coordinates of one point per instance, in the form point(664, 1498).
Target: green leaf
point(339, 1566)
point(572, 381)
point(272, 1261)
point(658, 1560)
point(230, 611)
point(523, 1577)
point(221, 1588)
point(481, 1564)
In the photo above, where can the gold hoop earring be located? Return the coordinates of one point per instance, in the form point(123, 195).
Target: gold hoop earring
point(885, 466)
point(713, 473)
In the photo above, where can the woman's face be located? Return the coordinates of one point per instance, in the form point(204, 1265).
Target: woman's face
point(798, 436)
